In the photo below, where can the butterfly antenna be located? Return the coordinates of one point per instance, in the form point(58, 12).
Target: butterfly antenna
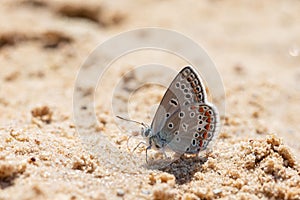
point(129, 120)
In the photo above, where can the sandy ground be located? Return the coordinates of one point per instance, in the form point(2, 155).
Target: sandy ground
point(43, 44)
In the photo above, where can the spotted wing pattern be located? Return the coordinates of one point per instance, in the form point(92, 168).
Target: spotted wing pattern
point(185, 89)
point(199, 123)
point(185, 120)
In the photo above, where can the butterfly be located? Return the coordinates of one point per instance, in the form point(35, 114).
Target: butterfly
point(185, 121)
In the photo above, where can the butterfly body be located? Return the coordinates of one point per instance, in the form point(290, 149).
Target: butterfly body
point(184, 121)
point(160, 140)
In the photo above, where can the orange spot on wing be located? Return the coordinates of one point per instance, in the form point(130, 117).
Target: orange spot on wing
point(200, 143)
point(201, 110)
point(204, 135)
point(207, 113)
point(207, 127)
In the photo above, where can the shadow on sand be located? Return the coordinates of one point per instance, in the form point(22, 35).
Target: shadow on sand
point(183, 168)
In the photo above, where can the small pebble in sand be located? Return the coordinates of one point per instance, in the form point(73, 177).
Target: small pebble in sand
point(146, 192)
point(239, 69)
point(163, 192)
point(162, 178)
point(32, 160)
point(217, 191)
point(42, 113)
point(120, 192)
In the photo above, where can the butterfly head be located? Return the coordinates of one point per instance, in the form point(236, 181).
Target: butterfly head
point(152, 140)
point(146, 131)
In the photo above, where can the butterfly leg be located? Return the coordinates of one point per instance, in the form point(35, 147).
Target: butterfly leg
point(165, 155)
point(148, 148)
point(138, 146)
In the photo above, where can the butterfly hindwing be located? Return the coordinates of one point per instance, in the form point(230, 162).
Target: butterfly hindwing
point(199, 123)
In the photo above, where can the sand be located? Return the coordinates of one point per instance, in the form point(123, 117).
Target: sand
point(43, 45)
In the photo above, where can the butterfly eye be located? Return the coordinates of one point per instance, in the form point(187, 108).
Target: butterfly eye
point(146, 133)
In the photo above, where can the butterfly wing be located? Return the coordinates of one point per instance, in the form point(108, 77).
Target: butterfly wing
point(185, 89)
point(199, 122)
point(184, 121)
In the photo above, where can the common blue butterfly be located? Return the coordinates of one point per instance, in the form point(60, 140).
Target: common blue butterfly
point(185, 121)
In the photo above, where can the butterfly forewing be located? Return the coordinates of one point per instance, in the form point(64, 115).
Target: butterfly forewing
point(186, 88)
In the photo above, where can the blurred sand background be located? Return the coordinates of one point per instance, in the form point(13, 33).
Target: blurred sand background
point(255, 46)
